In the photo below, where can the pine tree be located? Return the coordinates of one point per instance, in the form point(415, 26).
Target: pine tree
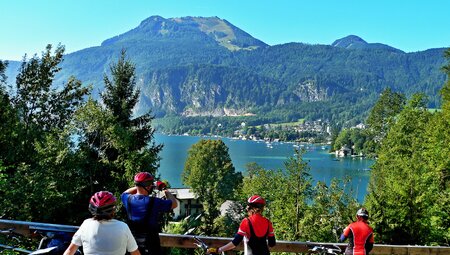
point(117, 144)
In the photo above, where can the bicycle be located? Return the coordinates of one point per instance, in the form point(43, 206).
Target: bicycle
point(46, 238)
point(324, 249)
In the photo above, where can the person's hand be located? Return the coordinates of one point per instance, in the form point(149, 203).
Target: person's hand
point(212, 251)
point(160, 185)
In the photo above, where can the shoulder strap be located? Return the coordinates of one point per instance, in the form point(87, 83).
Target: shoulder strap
point(149, 208)
point(129, 207)
point(252, 232)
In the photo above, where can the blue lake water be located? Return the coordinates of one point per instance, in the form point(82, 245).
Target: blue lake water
point(323, 165)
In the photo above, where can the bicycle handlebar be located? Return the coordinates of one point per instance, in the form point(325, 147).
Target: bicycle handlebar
point(200, 243)
point(9, 231)
point(326, 249)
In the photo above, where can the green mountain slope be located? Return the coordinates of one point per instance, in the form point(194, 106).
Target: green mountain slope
point(195, 66)
point(365, 70)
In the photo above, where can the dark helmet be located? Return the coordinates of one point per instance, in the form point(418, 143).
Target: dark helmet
point(256, 201)
point(363, 213)
point(143, 179)
point(102, 203)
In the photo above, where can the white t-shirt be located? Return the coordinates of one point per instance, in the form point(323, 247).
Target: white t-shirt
point(107, 237)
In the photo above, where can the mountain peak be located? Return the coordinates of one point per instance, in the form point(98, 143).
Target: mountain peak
point(356, 42)
point(350, 41)
point(151, 19)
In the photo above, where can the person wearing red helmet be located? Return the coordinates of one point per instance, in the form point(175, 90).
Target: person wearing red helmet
point(256, 231)
point(143, 211)
point(103, 235)
point(360, 235)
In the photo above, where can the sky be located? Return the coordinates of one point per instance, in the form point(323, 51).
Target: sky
point(27, 26)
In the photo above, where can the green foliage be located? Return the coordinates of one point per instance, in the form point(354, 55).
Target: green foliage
point(331, 209)
point(120, 95)
point(403, 187)
point(435, 154)
point(383, 114)
point(211, 175)
point(380, 119)
point(115, 144)
point(3, 66)
point(353, 138)
point(57, 150)
point(437, 149)
point(291, 203)
point(46, 191)
point(40, 173)
point(409, 185)
point(9, 124)
point(40, 105)
point(228, 224)
point(97, 136)
point(298, 210)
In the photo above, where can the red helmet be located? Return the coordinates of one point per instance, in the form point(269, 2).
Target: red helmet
point(256, 201)
point(143, 179)
point(102, 203)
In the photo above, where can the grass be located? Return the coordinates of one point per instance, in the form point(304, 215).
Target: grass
point(432, 110)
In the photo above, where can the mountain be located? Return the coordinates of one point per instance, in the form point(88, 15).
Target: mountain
point(207, 31)
point(355, 42)
point(196, 66)
point(160, 43)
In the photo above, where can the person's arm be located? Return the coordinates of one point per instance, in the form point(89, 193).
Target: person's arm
point(368, 247)
point(271, 238)
point(238, 237)
point(136, 252)
point(345, 234)
point(271, 241)
point(132, 190)
point(229, 246)
point(171, 198)
point(369, 243)
point(71, 249)
point(226, 247)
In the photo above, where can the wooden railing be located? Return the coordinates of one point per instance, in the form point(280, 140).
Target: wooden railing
point(186, 241)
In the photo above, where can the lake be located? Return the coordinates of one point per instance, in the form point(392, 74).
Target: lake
point(324, 166)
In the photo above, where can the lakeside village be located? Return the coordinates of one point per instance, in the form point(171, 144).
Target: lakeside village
point(300, 134)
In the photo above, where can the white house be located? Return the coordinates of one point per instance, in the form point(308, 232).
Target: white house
point(188, 203)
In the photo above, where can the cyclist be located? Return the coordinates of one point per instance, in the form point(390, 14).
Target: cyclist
point(103, 235)
point(143, 211)
point(255, 230)
point(360, 235)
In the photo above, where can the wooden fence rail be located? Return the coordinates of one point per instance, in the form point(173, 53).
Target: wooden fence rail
point(186, 241)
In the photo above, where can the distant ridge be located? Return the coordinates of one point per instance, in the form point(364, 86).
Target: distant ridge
point(356, 42)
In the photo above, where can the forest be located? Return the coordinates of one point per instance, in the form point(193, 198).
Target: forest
point(59, 146)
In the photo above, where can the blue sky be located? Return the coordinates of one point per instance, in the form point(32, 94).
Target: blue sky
point(410, 25)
